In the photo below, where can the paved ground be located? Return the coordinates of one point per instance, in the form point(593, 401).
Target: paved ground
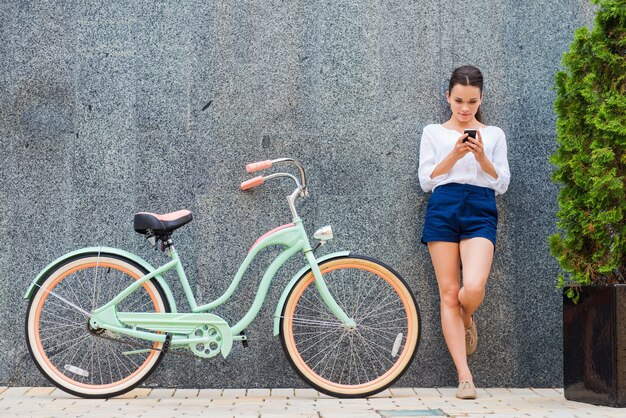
point(296, 403)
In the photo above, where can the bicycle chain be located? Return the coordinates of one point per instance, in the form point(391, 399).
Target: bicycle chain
point(164, 350)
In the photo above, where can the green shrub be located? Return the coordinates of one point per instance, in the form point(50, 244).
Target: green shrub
point(591, 158)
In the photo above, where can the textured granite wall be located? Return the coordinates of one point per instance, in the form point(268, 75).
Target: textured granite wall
point(108, 109)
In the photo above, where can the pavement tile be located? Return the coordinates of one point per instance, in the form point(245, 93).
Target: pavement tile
point(410, 401)
point(152, 402)
point(59, 394)
point(38, 391)
point(384, 394)
point(169, 414)
point(234, 393)
point(186, 393)
point(402, 392)
point(498, 415)
point(222, 402)
point(68, 402)
point(13, 392)
point(195, 409)
point(547, 392)
point(307, 393)
point(447, 392)
point(325, 403)
point(499, 392)
point(282, 402)
point(282, 392)
point(210, 393)
point(427, 392)
point(135, 393)
point(170, 402)
point(196, 401)
point(387, 406)
point(617, 412)
point(258, 392)
point(279, 411)
point(306, 404)
point(162, 393)
point(526, 392)
point(411, 413)
point(356, 401)
point(221, 411)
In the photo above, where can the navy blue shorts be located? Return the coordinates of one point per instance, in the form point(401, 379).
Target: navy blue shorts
point(459, 211)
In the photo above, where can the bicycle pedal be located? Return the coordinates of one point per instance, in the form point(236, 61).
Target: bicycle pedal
point(166, 344)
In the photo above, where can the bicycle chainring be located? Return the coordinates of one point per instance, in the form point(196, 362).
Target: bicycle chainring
point(212, 344)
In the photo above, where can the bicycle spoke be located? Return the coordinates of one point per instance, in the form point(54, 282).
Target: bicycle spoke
point(77, 308)
point(300, 320)
point(329, 351)
point(319, 341)
point(315, 335)
point(316, 310)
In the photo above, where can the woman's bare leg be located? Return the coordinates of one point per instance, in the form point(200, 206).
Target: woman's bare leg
point(476, 257)
point(446, 261)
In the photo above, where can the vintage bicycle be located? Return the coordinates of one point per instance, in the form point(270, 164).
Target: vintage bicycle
point(100, 319)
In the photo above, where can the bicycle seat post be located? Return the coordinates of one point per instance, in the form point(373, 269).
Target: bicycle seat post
point(168, 245)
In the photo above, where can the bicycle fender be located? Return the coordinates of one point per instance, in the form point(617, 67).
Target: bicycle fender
point(292, 283)
point(103, 251)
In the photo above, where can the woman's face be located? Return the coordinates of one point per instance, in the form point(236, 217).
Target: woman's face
point(464, 102)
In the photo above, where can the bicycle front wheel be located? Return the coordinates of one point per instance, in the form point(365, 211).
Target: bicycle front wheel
point(351, 362)
point(87, 362)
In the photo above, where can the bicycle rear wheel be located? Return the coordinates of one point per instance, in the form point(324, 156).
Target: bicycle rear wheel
point(76, 358)
point(351, 362)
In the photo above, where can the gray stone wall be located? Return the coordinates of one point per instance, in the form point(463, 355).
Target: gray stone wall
point(113, 108)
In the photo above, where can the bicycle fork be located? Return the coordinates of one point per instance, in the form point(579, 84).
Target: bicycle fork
point(325, 294)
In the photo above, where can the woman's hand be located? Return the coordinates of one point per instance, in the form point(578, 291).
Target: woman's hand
point(461, 148)
point(476, 147)
point(459, 151)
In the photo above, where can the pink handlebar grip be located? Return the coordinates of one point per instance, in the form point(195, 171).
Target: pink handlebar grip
point(261, 165)
point(249, 184)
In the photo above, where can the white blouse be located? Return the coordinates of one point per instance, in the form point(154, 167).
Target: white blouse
point(437, 142)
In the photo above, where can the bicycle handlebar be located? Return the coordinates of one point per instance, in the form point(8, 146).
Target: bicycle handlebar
point(249, 184)
point(300, 190)
point(262, 165)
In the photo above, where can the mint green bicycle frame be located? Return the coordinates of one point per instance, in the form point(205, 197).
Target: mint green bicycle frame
point(293, 238)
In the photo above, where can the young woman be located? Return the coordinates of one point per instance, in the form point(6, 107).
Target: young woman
point(464, 172)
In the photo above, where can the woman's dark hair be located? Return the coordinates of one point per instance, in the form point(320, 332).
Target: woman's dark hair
point(468, 75)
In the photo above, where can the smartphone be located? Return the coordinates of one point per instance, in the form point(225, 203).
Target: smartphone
point(469, 132)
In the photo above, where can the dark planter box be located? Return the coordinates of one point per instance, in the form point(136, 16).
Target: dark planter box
point(594, 346)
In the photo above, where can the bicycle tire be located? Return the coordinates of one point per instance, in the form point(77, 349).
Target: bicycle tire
point(68, 353)
point(331, 357)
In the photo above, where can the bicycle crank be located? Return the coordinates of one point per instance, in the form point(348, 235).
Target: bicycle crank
point(210, 344)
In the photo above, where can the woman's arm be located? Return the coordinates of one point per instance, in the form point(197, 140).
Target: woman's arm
point(497, 171)
point(432, 173)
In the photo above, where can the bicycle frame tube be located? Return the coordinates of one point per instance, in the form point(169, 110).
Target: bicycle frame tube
point(294, 238)
point(131, 288)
